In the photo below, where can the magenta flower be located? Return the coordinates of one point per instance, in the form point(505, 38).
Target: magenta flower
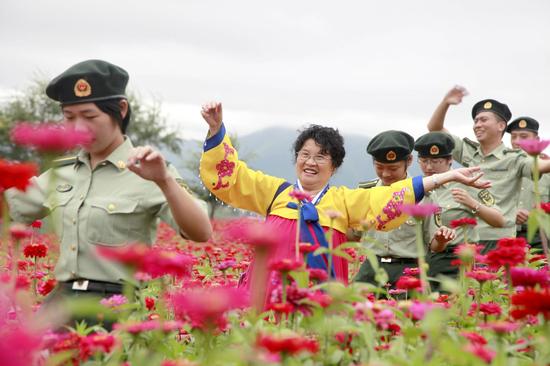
point(529, 277)
point(49, 136)
point(114, 301)
point(253, 232)
point(533, 146)
point(420, 210)
point(418, 310)
point(300, 195)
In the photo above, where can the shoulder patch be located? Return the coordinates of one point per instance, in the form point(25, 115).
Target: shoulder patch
point(514, 151)
point(67, 160)
point(486, 197)
point(471, 142)
point(368, 184)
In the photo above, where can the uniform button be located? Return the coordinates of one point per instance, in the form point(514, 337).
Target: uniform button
point(121, 164)
point(81, 197)
point(522, 188)
point(73, 247)
point(111, 207)
point(74, 221)
point(73, 273)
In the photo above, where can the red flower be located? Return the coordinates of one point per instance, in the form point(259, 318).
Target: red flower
point(50, 137)
point(490, 308)
point(465, 221)
point(300, 195)
point(290, 344)
point(285, 265)
point(308, 248)
point(420, 210)
point(46, 287)
point(481, 275)
point(16, 175)
point(546, 207)
point(531, 302)
point(320, 298)
point(411, 271)
point(149, 303)
point(205, 307)
point(317, 274)
point(35, 251)
point(486, 354)
point(282, 308)
point(509, 252)
point(408, 283)
point(533, 147)
point(20, 231)
point(37, 224)
point(529, 277)
point(474, 337)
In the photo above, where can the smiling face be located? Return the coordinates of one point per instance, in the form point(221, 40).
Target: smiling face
point(313, 168)
point(105, 131)
point(488, 127)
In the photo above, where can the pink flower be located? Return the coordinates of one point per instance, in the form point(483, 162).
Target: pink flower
point(20, 231)
point(474, 337)
point(501, 326)
point(225, 265)
point(528, 277)
point(486, 354)
point(134, 327)
point(533, 146)
point(490, 308)
point(300, 195)
point(114, 301)
point(254, 233)
point(481, 275)
point(205, 307)
point(50, 137)
point(285, 265)
point(411, 271)
point(308, 247)
point(419, 310)
point(420, 210)
point(317, 274)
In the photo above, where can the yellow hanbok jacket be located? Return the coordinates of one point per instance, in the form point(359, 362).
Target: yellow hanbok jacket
point(234, 183)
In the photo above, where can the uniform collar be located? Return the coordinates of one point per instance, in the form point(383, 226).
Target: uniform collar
point(497, 152)
point(117, 158)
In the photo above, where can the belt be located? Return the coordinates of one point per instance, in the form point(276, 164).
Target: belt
point(397, 260)
point(92, 286)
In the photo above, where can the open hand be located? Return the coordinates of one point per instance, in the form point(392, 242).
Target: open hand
point(455, 95)
point(470, 177)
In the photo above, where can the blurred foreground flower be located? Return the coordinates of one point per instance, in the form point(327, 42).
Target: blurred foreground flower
point(49, 136)
point(16, 175)
point(533, 146)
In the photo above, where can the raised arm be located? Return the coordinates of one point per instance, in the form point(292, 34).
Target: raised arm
point(467, 176)
point(188, 215)
point(453, 97)
point(490, 215)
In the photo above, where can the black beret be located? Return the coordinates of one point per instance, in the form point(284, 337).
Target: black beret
point(391, 146)
point(491, 105)
point(523, 123)
point(434, 145)
point(88, 81)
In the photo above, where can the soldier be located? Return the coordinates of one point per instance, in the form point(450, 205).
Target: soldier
point(396, 249)
point(523, 128)
point(456, 201)
point(504, 167)
point(109, 194)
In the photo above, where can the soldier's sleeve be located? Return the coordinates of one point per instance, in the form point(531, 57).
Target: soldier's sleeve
point(379, 208)
point(28, 206)
point(524, 166)
point(165, 214)
point(230, 179)
point(458, 149)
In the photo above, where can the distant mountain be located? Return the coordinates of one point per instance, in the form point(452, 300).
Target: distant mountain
point(270, 150)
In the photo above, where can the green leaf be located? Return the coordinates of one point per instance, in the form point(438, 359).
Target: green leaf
point(301, 278)
point(532, 224)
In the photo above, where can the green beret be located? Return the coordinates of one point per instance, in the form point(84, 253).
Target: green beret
point(88, 81)
point(523, 123)
point(391, 146)
point(434, 145)
point(491, 105)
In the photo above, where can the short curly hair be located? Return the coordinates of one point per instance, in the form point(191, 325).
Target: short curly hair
point(328, 138)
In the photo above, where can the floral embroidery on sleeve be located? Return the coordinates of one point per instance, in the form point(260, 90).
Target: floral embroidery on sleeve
point(224, 167)
point(392, 209)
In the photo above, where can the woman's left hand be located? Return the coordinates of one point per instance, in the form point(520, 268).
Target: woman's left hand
point(470, 177)
point(148, 164)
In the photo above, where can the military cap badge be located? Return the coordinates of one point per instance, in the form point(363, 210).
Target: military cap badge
point(434, 150)
point(82, 88)
point(391, 155)
point(488, 105)
point(522, 123)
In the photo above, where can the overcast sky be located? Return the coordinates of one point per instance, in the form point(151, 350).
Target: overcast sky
point(362, 66)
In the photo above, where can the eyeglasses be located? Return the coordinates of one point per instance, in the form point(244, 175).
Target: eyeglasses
point(319, 159)
point(432, 161)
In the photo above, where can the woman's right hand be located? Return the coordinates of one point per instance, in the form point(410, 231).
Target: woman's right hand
point(212, 114)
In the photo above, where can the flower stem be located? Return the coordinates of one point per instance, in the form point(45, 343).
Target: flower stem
point(421, 257)
point(297, 241)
